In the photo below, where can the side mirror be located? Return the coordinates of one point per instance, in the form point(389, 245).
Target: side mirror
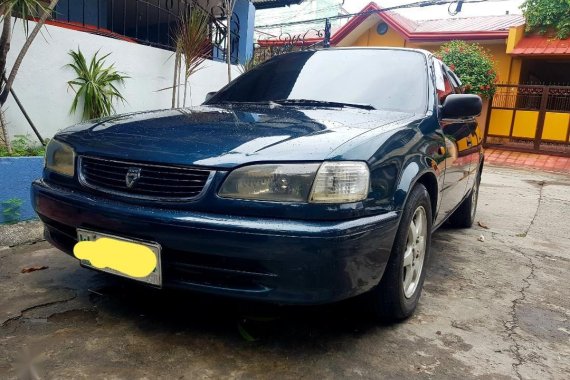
point(210, 95)
point(461, 105)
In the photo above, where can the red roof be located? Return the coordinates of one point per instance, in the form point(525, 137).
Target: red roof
point(470, 24)
point(469, 28)
point(541, 45)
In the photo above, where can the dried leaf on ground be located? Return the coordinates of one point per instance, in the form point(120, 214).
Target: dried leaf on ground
point(33, 269)
point(482, 225)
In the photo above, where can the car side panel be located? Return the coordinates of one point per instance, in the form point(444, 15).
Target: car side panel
point(457, 134)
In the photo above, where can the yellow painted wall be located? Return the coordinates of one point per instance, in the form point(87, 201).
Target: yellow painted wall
point(525, 124)
point(371, 38)
point(555, 126)
point(516, 33)
point(500, 122)
point(502, 61)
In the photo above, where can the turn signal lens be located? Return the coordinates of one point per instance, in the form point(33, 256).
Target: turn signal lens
point(341, 182)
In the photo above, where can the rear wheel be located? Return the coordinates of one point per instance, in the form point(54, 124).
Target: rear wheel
point(398, 293)
point(464, 216)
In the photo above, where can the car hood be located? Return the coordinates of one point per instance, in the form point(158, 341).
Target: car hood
point(227, 136)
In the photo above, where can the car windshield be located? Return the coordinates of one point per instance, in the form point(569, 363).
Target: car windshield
point(393, 80)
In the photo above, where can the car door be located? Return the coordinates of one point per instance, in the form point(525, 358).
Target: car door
point(473, 142)
point(457, 135)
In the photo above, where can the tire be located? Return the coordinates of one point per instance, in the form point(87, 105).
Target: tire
point(464, 216)
point(397, 295)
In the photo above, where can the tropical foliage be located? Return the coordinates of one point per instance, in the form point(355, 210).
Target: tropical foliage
point(23, 9)
point(22, 146)
point(472, 64)
point(95, 85)
point(11, 210)
point(543, 16)
point(192, 44)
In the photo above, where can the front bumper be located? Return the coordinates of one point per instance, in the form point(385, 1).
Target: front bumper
point(277, 260)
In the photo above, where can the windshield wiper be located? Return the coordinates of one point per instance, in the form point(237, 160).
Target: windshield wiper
point(324, 103)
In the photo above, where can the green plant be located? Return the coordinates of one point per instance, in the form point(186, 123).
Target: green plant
point(22, 146)
point(472, 64)
point(192, 43)
point(24, 9)
point(11, 210)
point(96, 85)
point(545, 15)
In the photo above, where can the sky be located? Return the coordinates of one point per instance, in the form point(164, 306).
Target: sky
point(492, 7)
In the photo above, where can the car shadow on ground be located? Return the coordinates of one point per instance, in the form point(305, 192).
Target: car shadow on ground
point(181, 312)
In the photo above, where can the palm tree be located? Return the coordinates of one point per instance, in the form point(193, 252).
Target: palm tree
point(23, 9)
point(95, 84)
point(193, 44)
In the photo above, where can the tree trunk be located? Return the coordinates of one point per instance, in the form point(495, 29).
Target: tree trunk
point(185, 88)
point(178, 83)
point(5, 41)
point(174, 84)
point(229, 6)
point(4, 130)
point(4, 49)
point(24, 51)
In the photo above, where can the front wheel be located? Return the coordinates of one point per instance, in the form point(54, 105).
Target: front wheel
point(398, 293)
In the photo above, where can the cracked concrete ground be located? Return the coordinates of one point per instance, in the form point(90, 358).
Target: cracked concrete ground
point(493, 309)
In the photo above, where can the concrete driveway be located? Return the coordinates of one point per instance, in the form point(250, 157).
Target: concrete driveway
point(497, 308)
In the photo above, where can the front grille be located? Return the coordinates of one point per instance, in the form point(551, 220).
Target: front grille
point(148, 181)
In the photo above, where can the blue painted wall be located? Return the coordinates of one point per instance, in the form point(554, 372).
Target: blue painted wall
point(245, 12)
point(16, 175)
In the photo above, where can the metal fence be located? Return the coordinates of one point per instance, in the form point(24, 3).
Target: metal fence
point(286, 42)
point(530, 117)
point(149, 22)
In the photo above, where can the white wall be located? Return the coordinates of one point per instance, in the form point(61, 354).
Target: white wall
point(42, 87)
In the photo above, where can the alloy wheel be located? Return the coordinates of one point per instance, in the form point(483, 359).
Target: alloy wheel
point(415, 252)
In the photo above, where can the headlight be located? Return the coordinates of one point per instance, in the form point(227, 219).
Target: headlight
point(271, 182)
point(341, 182)
point(60, 158)
point(330, 182)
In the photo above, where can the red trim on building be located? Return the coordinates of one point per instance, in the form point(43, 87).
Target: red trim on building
point(88, 28)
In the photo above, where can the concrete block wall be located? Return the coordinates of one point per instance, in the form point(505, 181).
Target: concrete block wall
point(16, 175)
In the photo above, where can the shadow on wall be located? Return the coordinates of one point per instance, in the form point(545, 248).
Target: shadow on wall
point(16, 175)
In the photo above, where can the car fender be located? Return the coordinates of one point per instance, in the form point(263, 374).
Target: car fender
point(413, 171)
